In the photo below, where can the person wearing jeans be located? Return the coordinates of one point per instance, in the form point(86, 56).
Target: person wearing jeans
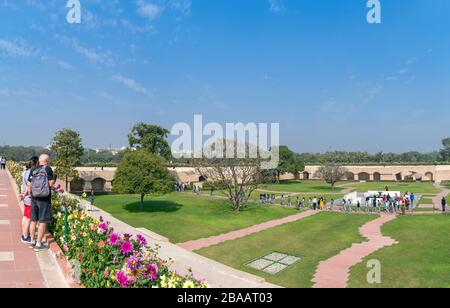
point(41, 208)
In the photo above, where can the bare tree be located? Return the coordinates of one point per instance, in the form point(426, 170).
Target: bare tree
point(331, 173)
point(239, 176)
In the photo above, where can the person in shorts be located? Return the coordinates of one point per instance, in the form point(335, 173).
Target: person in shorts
point(41, 207)
point(26, 198)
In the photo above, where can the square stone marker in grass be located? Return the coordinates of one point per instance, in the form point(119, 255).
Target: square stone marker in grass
point(273, 263)
point(260, 264)
point(275, 268)
point(275, 256)
point(289, 260)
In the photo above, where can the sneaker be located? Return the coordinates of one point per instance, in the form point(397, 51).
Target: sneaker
point(25, 240)
point(41, 247)
point(32, 244)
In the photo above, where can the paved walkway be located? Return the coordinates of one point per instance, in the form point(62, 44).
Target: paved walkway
point(19, 266)
point(437, 200)
point(335, 272)
point(214, 240)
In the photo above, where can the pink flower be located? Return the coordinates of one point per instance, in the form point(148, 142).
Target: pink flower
point(102, 227)
point(126, 248)
point(133, 263)
point(142, 241)
point(65, 247)
point(106, 272)
point(151, 272)
point(114, 239)
point(122, 279)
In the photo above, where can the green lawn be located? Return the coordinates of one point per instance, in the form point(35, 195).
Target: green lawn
point(315, 239)
point(302, 187)
point(421, 260)
point(417, 188)
point(183, 217)
point(425, 201)
point(446, 184)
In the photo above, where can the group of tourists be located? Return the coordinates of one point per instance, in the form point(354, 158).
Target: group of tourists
point(181, 187)
point(36, 194)
point(3, 161)
point(311, 203)
point(267, 199)
point(381, 203)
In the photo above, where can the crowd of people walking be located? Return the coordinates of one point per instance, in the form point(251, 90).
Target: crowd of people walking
point(381, 202)
point(313, 203)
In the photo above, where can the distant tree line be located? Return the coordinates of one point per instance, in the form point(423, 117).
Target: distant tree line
point(21, 153)
point(89, 157)
point(288, 161)
point(101, 158)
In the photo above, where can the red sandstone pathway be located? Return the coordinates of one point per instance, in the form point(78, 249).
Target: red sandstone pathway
point(19, 267)
point(335, 272)
point(438, 199)
point(214, 240)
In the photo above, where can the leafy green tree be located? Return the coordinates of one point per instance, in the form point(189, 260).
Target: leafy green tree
point(152, 138)
point(290, 162)
point(143, 173)
point(67, 150)
point(445, 151)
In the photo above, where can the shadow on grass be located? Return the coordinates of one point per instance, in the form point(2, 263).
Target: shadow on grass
point(153, 206)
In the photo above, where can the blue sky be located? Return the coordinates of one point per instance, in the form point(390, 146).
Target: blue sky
point(330, 79)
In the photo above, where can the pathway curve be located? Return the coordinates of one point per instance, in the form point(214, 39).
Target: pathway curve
point(19, 266)
point(214, 240)
point(443, 194)
point(335, 272)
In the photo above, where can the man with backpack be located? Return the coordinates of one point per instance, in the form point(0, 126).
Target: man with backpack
point(40, 182)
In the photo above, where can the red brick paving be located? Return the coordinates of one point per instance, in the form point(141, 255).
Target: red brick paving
point(438, 199)
point(24, 271)
point(335, 272)
point(214, 240)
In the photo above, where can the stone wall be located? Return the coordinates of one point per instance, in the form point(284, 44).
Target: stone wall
point(100, 179)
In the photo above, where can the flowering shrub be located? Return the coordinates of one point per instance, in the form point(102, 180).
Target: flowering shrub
point(104, 258)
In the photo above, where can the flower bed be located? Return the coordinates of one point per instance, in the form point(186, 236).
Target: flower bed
point(102, 258)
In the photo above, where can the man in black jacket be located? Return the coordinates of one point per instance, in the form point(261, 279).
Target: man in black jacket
point(444, 204)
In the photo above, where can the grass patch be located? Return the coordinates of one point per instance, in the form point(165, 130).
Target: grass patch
point(416, 187)
point(419, 261)
point(255, 196)
point(425, 201)
point(421, 209)
point(314, 239)
point(302, 187)
point(183, 216)
point(446, 184)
